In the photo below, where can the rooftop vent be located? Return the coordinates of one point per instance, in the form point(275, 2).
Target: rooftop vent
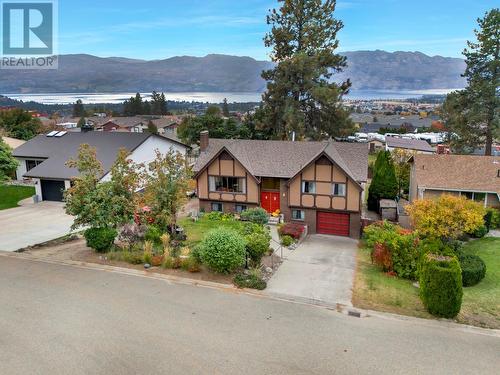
point(52, 133)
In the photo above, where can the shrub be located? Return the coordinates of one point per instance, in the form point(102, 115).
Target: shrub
point(214, 215)
point(148, 252)
point(473, 269)
point(131, 233)
point(287, 240)
point(223, 250)
point(441, 285)
point(480, 232)
point(293, 230)
point(384, 183)
point(253, 280)
point(382, 257)
point(255, 215)
point(153, 234)
point(257, 244)
point(100, 239)
point(190, 264)
point(132, 257)
point(495, 218)
point(168, 262)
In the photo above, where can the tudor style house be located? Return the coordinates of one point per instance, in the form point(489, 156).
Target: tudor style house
point(319, 184)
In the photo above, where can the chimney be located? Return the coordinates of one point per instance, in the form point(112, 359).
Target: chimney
point(204, 140)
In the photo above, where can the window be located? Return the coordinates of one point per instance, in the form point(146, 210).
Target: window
point(479, 197)
point(298, 215)
point(228, 184)
point(240, 208)
point(30, 164)
point(217, 207)
point(309, 187)
point(339, 190)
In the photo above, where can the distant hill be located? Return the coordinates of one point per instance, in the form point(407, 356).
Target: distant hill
point(373, 70)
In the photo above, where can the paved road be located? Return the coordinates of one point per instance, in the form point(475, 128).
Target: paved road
point(32, 224)
point(57, 319)
point(321, 269)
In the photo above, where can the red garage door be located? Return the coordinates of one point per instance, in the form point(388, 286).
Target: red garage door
point(333, 223)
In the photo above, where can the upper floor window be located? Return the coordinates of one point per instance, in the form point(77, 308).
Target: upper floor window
point(309, 187)
point(339, 190)
point(227, 184)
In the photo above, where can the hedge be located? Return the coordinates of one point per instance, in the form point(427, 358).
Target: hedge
point(441, 285)
point(473, 269)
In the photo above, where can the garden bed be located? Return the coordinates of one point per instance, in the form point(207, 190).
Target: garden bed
point(376, 290)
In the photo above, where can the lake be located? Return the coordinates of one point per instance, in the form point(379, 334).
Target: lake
point(210, 97)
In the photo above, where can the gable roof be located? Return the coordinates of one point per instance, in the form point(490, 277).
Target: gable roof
point(409, 144)
point(58, 150)
point(13, 143)
point(458, 172)
point(284, 159)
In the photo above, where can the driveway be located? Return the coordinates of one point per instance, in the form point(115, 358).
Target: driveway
point(32, 224)
point(320, 270)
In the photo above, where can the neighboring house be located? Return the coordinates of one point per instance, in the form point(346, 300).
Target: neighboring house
point(315, 183)
point(476, 177)
point(417, 145)
point(13, 143)
point(44, 158)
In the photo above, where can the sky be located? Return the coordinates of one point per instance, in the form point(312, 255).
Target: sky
point(158, 29)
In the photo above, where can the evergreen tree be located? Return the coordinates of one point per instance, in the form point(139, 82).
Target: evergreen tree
point(78, 109)
point(158, 104)
point(81, 122)
point(152, 128)
point(225, 108)
point(384, 184)
point(474, 113)
point(8, 164)
point(301, 96)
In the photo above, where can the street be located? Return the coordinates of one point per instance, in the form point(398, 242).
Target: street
point(58, 319)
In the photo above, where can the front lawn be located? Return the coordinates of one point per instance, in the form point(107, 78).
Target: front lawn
point(10, 195)
point(196, 230)
point(481, 303)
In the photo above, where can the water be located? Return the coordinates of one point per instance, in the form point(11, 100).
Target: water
point(210, 97)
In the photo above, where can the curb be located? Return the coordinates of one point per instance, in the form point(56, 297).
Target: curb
point(342, 308)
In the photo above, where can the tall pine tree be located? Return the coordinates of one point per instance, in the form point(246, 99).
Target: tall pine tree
point(474, 113)
point(301, 96)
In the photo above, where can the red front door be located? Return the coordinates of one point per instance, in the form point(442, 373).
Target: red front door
point(270, 201)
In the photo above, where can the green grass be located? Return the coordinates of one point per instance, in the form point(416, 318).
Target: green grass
point(196, 230)
point(481, 302)
point(11, 195)
point(480, 306)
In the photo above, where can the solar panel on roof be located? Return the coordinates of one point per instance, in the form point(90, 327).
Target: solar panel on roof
point(60, 134)
point(52, 133)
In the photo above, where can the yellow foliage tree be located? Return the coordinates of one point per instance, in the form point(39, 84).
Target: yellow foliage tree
point(447, 217)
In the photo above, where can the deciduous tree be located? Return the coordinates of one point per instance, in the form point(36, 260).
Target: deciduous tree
point(8, 163)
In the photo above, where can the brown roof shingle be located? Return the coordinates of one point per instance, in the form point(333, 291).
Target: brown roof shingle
point(409, 144)
point(284, 159)
point(458, 172)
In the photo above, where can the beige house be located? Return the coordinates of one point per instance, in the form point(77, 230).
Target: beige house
point(476, 177)
point(316, 183)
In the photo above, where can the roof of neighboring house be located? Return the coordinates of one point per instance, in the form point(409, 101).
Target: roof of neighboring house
point(458, 172)
point(58, 150)
point(13, 143)
point(285, 159)
point(409, 144)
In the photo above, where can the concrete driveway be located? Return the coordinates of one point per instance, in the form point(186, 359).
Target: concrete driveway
point(320, 270)
point(32, 224)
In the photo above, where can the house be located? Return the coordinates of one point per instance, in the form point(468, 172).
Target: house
point(319, 184)
point(476, 177)
point(417, 145)
point(13, 143)
point(43, 159)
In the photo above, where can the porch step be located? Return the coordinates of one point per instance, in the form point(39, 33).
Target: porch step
point(274, 220)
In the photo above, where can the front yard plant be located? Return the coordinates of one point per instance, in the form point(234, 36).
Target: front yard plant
point(100, 239)
point(255, 215)
point(287, 240)
point(473, 269)
point(441, 285)
point(223, 250)
point(252, 280)
point(294, 230)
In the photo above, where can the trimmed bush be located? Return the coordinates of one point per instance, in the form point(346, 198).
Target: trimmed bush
point(492, 218)
point(255, 215)
point(441, 285)
point(293, 230)
point(257, 245)
point(223, 250)
point(473, 269)
point(100, 239)
point(480, 232)
point(287, 240)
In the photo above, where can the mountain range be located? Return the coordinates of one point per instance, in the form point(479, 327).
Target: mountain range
point(368, 70)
